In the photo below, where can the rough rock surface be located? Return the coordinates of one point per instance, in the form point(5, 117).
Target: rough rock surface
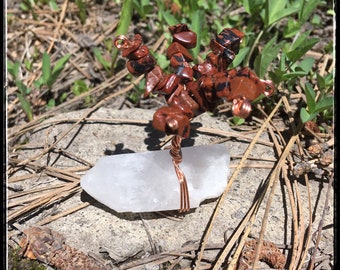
point(98, 227)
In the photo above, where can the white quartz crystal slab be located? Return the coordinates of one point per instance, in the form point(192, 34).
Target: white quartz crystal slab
point(146, 182)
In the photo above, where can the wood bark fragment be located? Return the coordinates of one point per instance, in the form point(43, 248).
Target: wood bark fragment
point(48, 246)
point(269, 254)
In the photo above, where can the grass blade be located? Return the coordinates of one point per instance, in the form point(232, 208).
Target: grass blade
point(123, 26)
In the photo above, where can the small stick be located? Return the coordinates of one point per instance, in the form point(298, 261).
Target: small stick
point(176, 155)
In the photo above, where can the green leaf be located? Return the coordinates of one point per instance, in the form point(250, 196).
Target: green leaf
point(321, 106)
point(143, 7)
point(268, 54)
point(125, 17)
point(276, 76)
point(310, 96)
point(307, 8)
point(13, 68)
point(260, 97)
point(24, 90)
point(57, 69)
point(253, 6)
point(162, 60)
point(300, 50)
point(305, 116)
point(316, 20)
point(329, 79)
point(306, 64)
point(28, 64)
point(26, 106)
point(82, 10)
point(276, 10)
point(108, 44)
point(101, 59)
point(321, 81)
point(299, 40)
point(46, 67)
point(169, 18)
point(53, 5)
point(51, 103)
point(60, 64)
point(292, 28)
point(197, 19)
point(79, 87)
point(38, 83)
point(24, 6)
point(329, 47)
point(294, 74)
point(240, 57)
point(27, 5)
point(63, 97)
point(246, 6)
point(282, 64)
point(324, 104)
point(123, 26)
point(238, 120)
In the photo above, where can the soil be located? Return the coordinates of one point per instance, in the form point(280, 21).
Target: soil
point(48, 156)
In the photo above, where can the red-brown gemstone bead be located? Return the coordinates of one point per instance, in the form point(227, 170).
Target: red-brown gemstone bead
point(187, 39)
point(178, 48)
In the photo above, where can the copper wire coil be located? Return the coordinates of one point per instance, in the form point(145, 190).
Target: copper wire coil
point(122, 42)
point(176, 155)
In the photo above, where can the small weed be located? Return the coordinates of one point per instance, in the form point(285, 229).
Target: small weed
point(281, 58)
point(237, 121)
point(23, 90)
point(275, 45)
point(17, 262)
point(79, 87)
point(100, 58)
point(122, 28)
point(315, 105)
point(48, 78)
point(49, 74)
point(82, 10)
point(28, 5)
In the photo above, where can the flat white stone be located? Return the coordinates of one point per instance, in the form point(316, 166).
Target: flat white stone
point(147, 182)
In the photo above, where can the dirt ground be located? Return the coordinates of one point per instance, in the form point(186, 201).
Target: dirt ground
point(272, 198)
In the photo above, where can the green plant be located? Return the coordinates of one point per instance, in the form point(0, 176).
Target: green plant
point(316, 105)
point(49, 74)
point(138, 90)
point(16, 261)
point(24, 91)
point(28, 5)
point(237, 121)
point(13, 68)
point(143, 7)
point(122, 28)
point(275, 43)
point(79, 87)
point(82, 10)
point(283, 57)
point(104, 62)
point(48, 78)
